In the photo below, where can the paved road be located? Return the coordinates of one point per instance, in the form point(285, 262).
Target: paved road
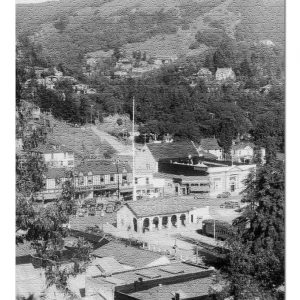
point(113, 141)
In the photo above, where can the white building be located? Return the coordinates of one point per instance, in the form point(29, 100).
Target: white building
point(228, 178)
point(225, 74)
point(158, 214)
point(210, 145)
point(56, 156)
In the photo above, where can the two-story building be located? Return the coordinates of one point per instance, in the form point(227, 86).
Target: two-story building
point(56, 156)
point(211, 145)
point(91, 179)
point(242, 152)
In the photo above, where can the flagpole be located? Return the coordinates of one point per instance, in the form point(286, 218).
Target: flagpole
point(133, 154)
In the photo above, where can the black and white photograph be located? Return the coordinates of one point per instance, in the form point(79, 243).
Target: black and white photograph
point(150, 150)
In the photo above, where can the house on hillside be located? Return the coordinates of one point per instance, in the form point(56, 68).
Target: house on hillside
point(211, 145)
point(124, 64)
point(164, 59)
point(242, 151)
point(55, 156)
point(225, 74)
point(149, 215)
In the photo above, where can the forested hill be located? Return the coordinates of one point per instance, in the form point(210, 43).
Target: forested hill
point(68, 29)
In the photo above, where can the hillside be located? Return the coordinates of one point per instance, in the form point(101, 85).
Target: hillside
point(83, 141)
point(68, 29)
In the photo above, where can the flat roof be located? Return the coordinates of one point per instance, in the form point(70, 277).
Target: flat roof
point(186, 290)
point(158, 272)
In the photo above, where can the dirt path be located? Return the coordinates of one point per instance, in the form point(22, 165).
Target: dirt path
point(113, 141)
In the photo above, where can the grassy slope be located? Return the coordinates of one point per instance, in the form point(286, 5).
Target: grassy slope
point(83, 142)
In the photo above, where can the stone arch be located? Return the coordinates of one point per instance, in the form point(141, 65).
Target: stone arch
point(174, 220)
point(164, 221)
point(146, 224)
point(135, 224)
point(183, 219)
point(155, 222)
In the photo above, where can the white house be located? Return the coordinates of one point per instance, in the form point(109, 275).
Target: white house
point(225, 74)
point(210, 145)
point(56, 156)
point(242, 152)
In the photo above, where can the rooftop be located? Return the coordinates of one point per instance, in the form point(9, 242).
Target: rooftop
point(102, 167)
point(242, 145)
point(51, 148)
point(163, 206)
point(127, 255)
point(172, 150)
point(187, 290)
point(160, 272)
point(210, 144)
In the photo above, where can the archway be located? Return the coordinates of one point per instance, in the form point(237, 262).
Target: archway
point(164, 221)
point(174, 220)
point(155, 222)
point(182, 219)
point(146, 224)
point(135, 224)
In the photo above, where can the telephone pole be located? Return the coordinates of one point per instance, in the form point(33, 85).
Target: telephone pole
point(133, 154)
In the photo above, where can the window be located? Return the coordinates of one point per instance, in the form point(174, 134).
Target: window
point(90, 178)
point(101, 178)
point(147, 180)
point(112, 178)
point(70, 162)
point(81, 179)
point(124, 178)
point(61, 163)
point(148, 166)
point(217, 183)
point(136, 180)
point(52, 155)
point(65, 155)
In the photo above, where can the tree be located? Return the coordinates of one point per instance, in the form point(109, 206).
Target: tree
point(255, 264)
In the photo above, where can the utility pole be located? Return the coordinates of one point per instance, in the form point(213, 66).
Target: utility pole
point(133, 154)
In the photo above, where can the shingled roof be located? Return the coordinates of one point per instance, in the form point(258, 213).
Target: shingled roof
point(98, 167)
point(127, 255)
point(172, 150)
point(155, 207)
point(210, 144)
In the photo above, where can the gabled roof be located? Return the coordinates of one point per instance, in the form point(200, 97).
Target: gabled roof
point(210, 144)
point(99, 167)
point(51, 148)
point(172, 150)
point(165, 206)
point(127, 255)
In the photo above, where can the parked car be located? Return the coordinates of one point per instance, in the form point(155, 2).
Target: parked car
point(224, 195)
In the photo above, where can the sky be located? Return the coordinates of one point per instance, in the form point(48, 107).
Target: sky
point(32, 1)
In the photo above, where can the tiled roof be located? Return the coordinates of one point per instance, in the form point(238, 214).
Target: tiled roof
point(172, 150)
point(108, 265)
point(51, 148)
point(56, 173)
point(187, 290)
point(127, 255)
point(98, 167)
point(162, 206)
point(210, 144)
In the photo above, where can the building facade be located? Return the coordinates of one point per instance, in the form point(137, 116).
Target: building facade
point(91, 179)
point(151, 215)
